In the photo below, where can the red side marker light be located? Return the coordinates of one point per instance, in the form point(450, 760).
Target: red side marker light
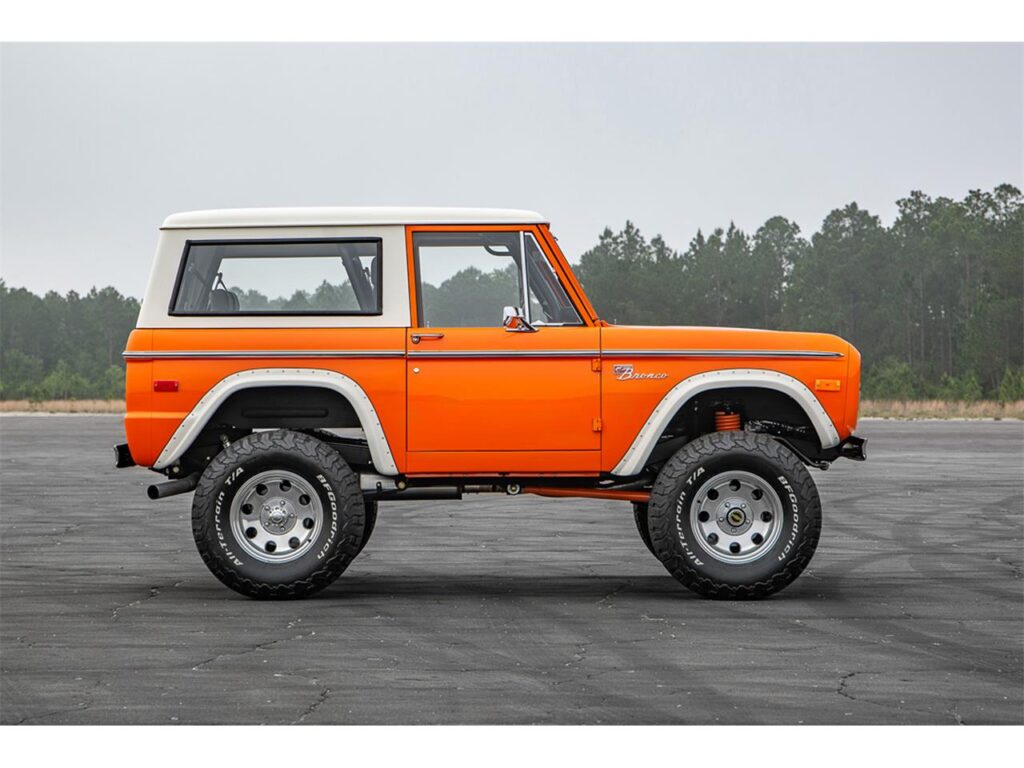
point(165, 385)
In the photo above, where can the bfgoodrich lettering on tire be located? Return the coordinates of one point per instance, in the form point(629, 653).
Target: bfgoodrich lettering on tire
point(734, 515)
point(278, 515)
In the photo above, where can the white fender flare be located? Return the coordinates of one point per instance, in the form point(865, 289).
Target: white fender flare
point(635, 457)
point(193, 424)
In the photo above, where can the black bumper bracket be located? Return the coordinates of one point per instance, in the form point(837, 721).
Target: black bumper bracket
point(854, 448)
point(122, 456)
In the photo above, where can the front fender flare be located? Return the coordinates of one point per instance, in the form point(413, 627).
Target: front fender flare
point(632, 461)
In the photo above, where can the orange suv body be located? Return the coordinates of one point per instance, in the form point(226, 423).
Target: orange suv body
point(447, 349)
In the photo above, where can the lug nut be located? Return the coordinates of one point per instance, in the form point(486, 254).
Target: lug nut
point(757, 538)
point(293, 542)
point(712, 538)
point(270, 546)
point(703, 516)
point(250, 532)
point(734, 548)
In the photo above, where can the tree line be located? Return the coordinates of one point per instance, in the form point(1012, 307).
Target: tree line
point(934, 302)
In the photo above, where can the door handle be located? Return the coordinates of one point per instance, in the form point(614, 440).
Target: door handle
point(417, 336)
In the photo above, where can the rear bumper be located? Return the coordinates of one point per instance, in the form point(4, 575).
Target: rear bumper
point(122, 456)
point(854, 448)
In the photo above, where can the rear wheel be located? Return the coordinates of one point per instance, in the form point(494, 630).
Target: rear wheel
point(734, 515)
point(326, 436)
point(278, 515)
point(640, 518)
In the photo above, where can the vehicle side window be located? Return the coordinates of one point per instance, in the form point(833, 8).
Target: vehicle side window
point(257, 277)
point(549, 304)
point(466, 279)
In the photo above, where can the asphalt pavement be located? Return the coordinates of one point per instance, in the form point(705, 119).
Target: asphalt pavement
point(517, 610)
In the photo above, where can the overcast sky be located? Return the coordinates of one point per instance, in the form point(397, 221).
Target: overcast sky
point(100, 142)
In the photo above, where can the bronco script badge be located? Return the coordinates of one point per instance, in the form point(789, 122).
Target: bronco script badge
point(626, 373)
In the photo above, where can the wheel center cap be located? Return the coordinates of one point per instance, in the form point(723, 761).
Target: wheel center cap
point(734, 516)
point(278, 516)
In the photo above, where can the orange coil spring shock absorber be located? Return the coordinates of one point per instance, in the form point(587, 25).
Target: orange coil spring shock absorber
point(727, 419)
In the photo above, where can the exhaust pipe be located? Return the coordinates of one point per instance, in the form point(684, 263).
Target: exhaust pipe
point(173, 487)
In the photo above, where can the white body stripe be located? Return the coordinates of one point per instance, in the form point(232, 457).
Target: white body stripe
point(192, 425)
point(636, 455)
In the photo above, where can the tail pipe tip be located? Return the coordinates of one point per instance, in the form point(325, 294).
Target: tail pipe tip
point(173, 487)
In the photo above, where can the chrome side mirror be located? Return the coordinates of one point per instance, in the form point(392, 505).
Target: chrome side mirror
point(515, 321)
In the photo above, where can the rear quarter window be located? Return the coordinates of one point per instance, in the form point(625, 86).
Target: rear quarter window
point(282, 277)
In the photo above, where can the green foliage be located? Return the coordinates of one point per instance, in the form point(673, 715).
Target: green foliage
point(63, 346)
point(891, 379)
point(471, 298)
point(1011, 386)
point(964, 387)
point(62, 383)
point(19, 375)
point(935, 302)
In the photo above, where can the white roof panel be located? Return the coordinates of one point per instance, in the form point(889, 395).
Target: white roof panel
point(340, 217)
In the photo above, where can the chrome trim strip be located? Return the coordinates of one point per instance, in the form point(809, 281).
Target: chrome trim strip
point(492, 353)
point(261, 353)
point(481, 353)
point(719, 353)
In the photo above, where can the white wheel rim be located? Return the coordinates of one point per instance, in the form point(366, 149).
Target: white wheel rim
point(276, 516)
point(736, 517)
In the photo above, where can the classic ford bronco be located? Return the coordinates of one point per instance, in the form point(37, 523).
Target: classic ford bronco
point(298, 367)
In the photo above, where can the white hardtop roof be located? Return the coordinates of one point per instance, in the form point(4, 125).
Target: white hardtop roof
point(341, 217)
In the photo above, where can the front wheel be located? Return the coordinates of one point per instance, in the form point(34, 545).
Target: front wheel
point(370, 508)
point(734, 515)
point(278, 515)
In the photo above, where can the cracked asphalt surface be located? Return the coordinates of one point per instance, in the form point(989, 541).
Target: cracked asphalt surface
point(499, 610)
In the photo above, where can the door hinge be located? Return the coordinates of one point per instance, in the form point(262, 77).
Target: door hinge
point(597, 424)
point(595, 364)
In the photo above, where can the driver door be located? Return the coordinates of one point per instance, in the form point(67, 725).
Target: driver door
point(485, 398)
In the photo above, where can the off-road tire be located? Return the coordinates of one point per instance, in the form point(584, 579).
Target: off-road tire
point(371, 521)
point(640, 518)
point(335, 545)
point(370, 506)
point(672, 532)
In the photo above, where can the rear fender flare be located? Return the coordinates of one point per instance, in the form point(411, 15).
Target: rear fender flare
point(193, 423)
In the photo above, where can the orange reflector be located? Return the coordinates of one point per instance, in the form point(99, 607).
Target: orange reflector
point(165, 385)
point(827, 385)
